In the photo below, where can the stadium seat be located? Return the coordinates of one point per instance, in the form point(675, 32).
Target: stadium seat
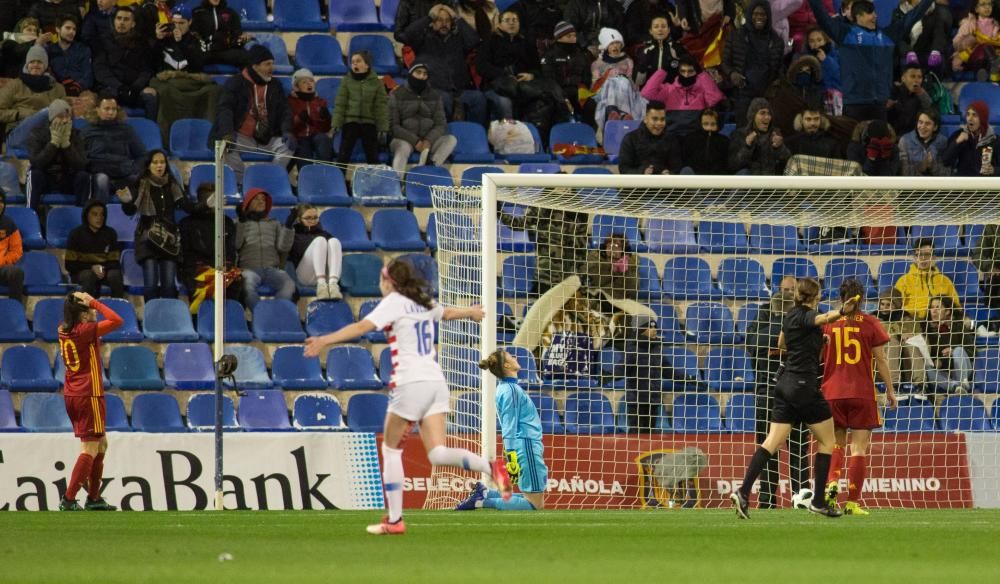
point(299, 15)
point(473, 146)
point(575, 134)
point(42, 275)
point(963, 413)
point(385, 367)
point(27, 223)
point(366, 412)
point(517, 278)
point(234, 321)
point(668, 328)
point(604, 226)
point(911, 415)
point(614, 132)
point(720, 237)
point(980, 90)
point(317, 412)
point(432, 240)
point(528, 377)
point(277, 321)
point(986, 376)
point(273, 179)
point(889, 271)
point(426, 266)
point(27, 368)
point(168, 320)
point(59, 222)
point(374, 336)
point(132, 273)
point(539, 168)
point(116, 419)
point(396, 230)
point(189, 139)
point(383, 54)
point(464, 275)
point(253, 14)
point(251, 371)
point(728, 369)
point(134, 368)
point(685, 363)
point(123, 224)
point(839, 269)
point(351, 368)
point(348, 226)
point(201, 413)
point(710, 323)
point(547, 412)
point(291, 370)
point(746, 315)
point(387, 13)
point(188, 366)
point(741, 413)
point(513, 241)
point(356, 16)
point(10, 183)
point(466, 414)
point(321, 54)
point(419, 181)
point(794, 267)
point(156, 412)
point(263, 411)
point(8, 421)
point(591, 170)
point(205, 173)
point(14, 325)
point(360, 274)
point(971, 234)
point(323, 186)
point(324, 317)
point(945, 238)
point(964, 275)
point(589, 413)
point(276, 44)
point(743, 279)
point(696, 413)
point(689, 278)
point(650, 287)
point(460, 366)
point(670, 236)
point(327, 88)
point(129, 331)
point(473, 176)
point(775, 239)
point(611, 363)
point(45, 413)
point(148, 132)
point(537, 155)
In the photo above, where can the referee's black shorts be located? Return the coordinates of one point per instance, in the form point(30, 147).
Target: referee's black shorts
point(798, 399)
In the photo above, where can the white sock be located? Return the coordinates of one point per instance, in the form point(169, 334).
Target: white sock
point(460, 457)
point(392, 480)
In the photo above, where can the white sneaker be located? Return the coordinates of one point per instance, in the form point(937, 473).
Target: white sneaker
point(322, 289)
point(985, 333)
point(333, 289)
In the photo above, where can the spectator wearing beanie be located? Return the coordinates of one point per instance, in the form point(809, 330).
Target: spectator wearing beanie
point(972, 149)
point(874, 147)
point(612, 60)
point(566, 63)
point(361, 110)
point(261, 246)
point(58, 157)
point(310, 119)
point(416, 114)
point(33, 90)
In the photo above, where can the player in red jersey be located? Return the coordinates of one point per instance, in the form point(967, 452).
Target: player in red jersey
point(83, 390)
point(853, 342)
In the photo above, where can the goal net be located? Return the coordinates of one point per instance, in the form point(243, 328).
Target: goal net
point(578, 272)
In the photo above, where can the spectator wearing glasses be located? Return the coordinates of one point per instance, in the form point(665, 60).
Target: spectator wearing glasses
point(317, 255)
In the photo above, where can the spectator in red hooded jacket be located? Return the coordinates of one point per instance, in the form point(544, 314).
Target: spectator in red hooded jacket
point(310, 119)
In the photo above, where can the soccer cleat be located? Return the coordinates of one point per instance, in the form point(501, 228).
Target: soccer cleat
point(69, 505)
point(502, 478)
point(741, 505)
point(99, 505)
point(386, 528)
point(474, 500)
point(831, 492)
point(831, 511)
point(853, 508)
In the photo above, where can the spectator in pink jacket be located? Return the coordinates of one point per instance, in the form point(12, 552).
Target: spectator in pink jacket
point(691, 92)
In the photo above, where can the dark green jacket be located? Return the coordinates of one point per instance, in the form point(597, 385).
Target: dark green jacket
point(363, 102)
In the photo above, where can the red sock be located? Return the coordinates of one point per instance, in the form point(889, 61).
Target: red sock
point(96, 478)
point(856, 471)
point(836, 464)
point(81, 472)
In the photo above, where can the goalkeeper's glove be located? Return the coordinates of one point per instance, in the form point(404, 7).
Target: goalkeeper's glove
point(513, 467)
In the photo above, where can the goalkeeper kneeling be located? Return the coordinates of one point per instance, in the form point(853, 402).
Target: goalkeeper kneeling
point(522, 440)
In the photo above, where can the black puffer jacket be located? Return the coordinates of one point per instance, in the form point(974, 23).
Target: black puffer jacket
point(417, 116)
point(218, 27)
point(641, 149)
point(86, 247)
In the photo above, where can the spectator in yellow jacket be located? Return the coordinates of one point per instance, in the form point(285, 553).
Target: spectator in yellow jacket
point(924, 281)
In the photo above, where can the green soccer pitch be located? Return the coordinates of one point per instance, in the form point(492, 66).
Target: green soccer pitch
point(703, 546)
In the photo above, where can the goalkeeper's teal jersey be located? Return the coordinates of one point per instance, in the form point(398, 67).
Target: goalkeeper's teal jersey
point(518, 417)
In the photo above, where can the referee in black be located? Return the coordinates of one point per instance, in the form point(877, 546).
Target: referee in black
point(798, 397)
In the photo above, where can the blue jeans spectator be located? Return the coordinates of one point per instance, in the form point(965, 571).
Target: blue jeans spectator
point(159, 279)
point(474, 103)
point(958, 375)
point(278, 280)
point(501, 108)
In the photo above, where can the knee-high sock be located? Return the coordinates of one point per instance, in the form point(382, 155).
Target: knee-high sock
point(516, 503)
point(96, 477)
point(836, 465)
point(460, 457)
point(392, 481)
point(760, 458)
point(857, 469)
point(821, 470)
point(81, 472)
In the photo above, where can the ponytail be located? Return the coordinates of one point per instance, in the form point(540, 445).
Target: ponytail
point(73, 309)
point(806, 290)
point(408, 283)
point(494, 363)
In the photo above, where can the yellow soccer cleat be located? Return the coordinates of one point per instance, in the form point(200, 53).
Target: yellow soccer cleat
point(831, 492)
point(853, 508)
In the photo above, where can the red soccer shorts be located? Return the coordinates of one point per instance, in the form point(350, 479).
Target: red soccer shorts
point(88, 415)
point(855, 413)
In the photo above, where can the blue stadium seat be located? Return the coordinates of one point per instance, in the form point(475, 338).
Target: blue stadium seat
point(366, 412)
point(432, 240)
point(839, 269)
point(134, 368)
point(59, 222)
point(795, 267)
point(650, 287)
point(375, 336)
point(591, 170)
point(298, 15)
point(253, 14)
point(356, 16)
point(685, 362)
point(8, 422)
point(42, 274)
point(473, 146)
point(396, 230)
point(425, 265)
point(547, 412)
point(729, 369)
point(385, 367)
point(168, 320)
point(668, 328)
point(291, 370)
point(510, 240)
point(517, 278)
point(387, 13)
point(946, 238)
point(273, 179)
point(606, 225)
point(203, 173)
point(26, 368)
point(348, 226)
point(986, 378)
point(9, 181)
point(775, 239)
point(277, 321)
point(351, 368)
point(132, 273)
point(537, 155)
point(234, 321)
point(971, 234)
point(156, 412)
point(148, 131)
point(589, 413)
point(59, 373)
point(383, 54)
point(360, 274)
point(505, 336)
point(689, 278)
point(276, 44)
point(188, 366)
point(984, 90)
point(995, 418)
point(473, 176)
point(45, 413)
point(576, 134)
point(321, 54)
point(539, 168)
point(460, 365)
point(964, 275)
point(528, 377)
point(746, 315)
point(201, 413)
point(889, 271)
point(123, 224)
point(611, 362)
point(323, 186)
point(741, 413)
point(670, 236)
point(743, 279)
point(720, 237)
point(116, 419)
point(419, 181)
point(696, 413)
point(710, 323)
point(263, 411)
point(464, 275)
point(13, 324)
point(324, 317)
point(614, 132)
point(317, 412)
point(466, 415)
point(26, 221)
point(251, 371)
point(963, 413)
point(911, 415)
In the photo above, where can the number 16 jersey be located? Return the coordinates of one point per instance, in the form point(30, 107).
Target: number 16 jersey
point(848, 367)
point(410, 331)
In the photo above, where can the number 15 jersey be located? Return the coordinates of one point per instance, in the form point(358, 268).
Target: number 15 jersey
point(410, 330)
point(848, 367)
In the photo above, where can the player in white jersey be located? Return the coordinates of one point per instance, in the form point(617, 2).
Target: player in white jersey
point(418, 390)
